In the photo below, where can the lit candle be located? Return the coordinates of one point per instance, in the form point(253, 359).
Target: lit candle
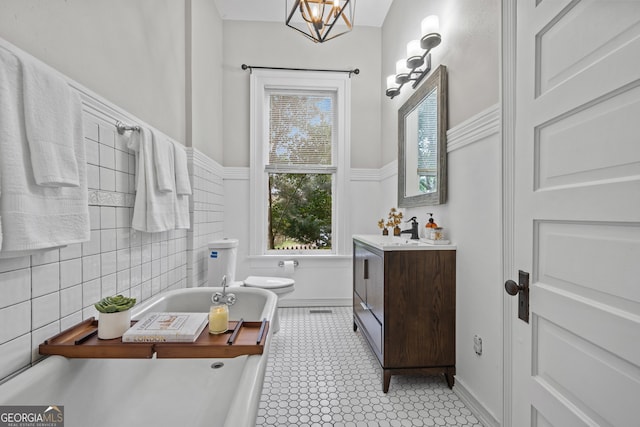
point(218, 319)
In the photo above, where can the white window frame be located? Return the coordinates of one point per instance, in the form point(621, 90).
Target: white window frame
point(263, 81)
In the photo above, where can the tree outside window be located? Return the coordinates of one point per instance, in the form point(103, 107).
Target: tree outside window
point(301, 171)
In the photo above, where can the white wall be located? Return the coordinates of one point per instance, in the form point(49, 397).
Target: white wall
point(469, 49)
point(318, 280)
point(48, 292)
point(276, 45)
point(472, 214)
point(473, 219)
point(111, 47)
point(204, 78)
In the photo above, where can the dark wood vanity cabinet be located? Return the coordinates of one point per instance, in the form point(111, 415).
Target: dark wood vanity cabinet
point(404, 304)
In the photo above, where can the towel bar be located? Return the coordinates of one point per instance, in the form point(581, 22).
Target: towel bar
point(122, 128)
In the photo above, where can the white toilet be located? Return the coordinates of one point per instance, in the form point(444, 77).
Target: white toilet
point(222, 262)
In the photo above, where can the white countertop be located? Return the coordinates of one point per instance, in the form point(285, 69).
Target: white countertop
point(395, 243)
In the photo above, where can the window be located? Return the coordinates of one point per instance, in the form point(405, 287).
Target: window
point(300, 146)
point(427, 147)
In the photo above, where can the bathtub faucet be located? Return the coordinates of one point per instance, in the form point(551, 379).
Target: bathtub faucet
point(224, 297)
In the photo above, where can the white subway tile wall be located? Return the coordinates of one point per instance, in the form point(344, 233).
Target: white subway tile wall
point(43, 294)
point(206, 210)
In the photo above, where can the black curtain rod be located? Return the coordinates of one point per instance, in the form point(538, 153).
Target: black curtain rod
point(251, 67)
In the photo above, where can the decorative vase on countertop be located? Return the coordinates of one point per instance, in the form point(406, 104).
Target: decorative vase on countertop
point(396, 231)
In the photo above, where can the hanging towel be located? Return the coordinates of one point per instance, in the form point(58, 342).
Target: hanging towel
point(52, 111)
point(153, 210)
point(182, 212)
point(183, 186)
point(33, 216)
point(163, 159)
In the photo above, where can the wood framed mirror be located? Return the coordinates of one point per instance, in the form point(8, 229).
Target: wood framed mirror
point(422, 144)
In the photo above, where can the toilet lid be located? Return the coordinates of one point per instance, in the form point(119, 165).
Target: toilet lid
point(268, 282)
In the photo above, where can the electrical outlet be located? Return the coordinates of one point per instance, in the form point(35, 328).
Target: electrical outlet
point(477, 345)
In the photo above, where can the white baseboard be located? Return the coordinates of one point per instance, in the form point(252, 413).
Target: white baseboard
point(324, 302)
point(479, 411)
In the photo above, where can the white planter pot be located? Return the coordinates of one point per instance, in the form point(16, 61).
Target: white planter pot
point(113, 325)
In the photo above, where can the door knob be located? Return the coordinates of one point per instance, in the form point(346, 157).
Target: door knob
point(512, 287)
point(522, 290)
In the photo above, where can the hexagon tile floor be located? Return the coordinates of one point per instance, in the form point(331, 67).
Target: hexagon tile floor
point(322, 373)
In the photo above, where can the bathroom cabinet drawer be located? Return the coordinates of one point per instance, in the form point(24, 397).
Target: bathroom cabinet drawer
point(368, 322)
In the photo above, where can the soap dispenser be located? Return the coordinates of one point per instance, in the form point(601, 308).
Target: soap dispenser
point(431, 223)
point(433, 232)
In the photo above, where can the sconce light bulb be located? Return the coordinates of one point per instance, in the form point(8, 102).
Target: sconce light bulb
point(393, 88)
point(402, 72)
point(430, 24)
point(391, 82)
point(430, 32)
point(401, 66)
point(414, 54)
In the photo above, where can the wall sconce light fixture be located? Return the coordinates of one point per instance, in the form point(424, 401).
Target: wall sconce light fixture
point(418, 62)
point(320, 20)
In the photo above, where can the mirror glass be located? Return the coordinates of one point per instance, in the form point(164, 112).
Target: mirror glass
point(422, 155)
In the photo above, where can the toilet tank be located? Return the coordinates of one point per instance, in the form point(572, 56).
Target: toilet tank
point(222, 261)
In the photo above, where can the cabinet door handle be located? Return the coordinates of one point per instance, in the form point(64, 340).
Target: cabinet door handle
point(366, 268)
point(364, 305)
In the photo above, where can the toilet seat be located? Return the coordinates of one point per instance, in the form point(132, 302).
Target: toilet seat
point(269, 283)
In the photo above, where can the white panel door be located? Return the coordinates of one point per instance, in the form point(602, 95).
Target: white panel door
point(577, 213)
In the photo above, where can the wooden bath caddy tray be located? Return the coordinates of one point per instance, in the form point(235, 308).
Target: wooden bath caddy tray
point(81, 341)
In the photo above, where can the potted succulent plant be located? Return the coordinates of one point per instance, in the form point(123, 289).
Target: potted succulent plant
point(114, 318)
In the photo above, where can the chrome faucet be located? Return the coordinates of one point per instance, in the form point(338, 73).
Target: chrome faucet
point(413, 230)
point(224, 297)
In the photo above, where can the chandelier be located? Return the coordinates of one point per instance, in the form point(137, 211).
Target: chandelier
point(320, 20)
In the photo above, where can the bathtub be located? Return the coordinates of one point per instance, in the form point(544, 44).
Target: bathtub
point(158, 392)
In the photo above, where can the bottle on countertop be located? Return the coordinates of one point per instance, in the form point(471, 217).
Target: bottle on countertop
point(433, 232)
point(431, 223)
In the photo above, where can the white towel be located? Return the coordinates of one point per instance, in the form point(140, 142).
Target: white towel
point(163, 161)
point(52, 112)
point(153, 210)
point(183, 186)
point(182, 212)
point(33, 216)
